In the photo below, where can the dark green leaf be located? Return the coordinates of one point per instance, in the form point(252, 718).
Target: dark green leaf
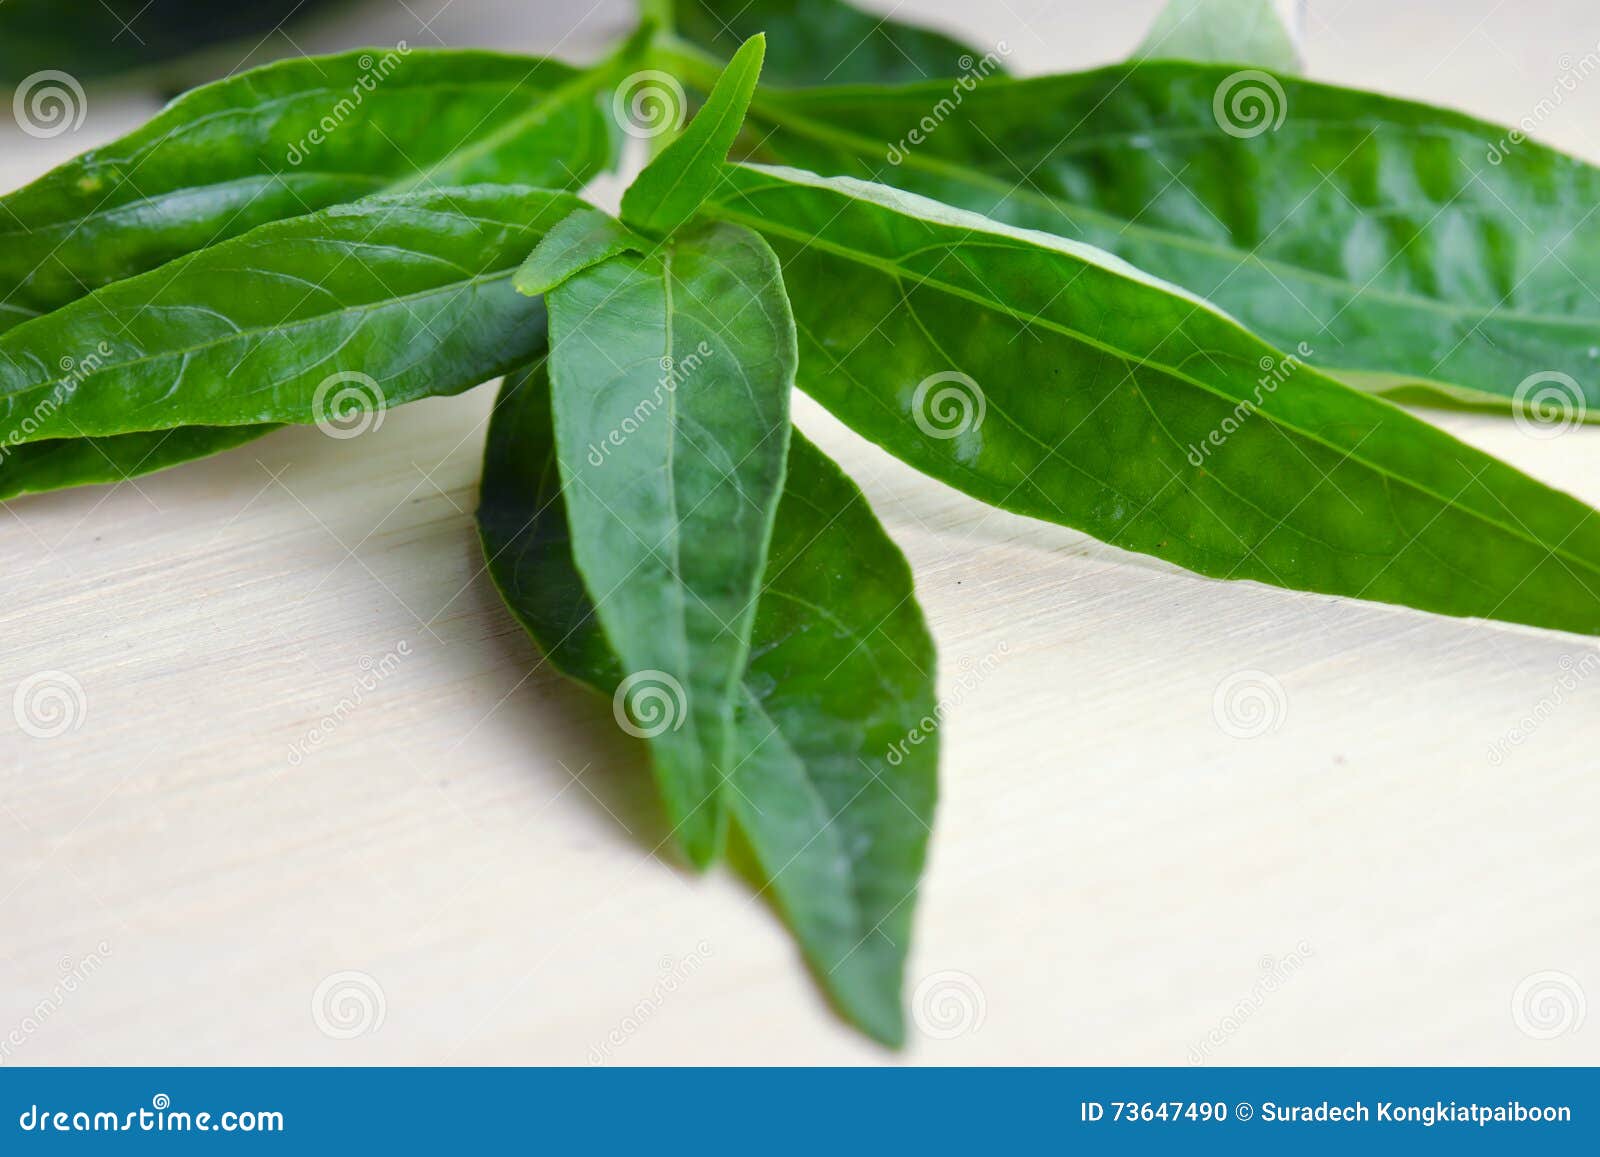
point(672, 376)
point(35, 467)
point(577, 242)
point(666, 194)
point(1224, 31)
point(311, 319)
point(236, 154)
point(103, 36)
point(833, 793)
point(283, 140)
point(824, 41)
point(1410, 248)
point(1046, 377)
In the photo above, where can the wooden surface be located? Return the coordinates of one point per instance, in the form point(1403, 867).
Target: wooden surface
point(1114, 875)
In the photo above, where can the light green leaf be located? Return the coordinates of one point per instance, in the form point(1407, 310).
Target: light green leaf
point(575, 243)
point(672, 376)
point(835, 771)
point(353, 308)
point(1046, 377)
point(1411, 249)
point(1225, 31)
point(824, 41)
point(666, 194)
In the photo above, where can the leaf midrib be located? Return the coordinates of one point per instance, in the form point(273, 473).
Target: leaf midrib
point(761, 224)
point(551, 100)
point(289, 327)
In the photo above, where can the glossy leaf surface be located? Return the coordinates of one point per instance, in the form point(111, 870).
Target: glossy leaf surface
point(666, 194)
point(671, 380)
point(1409, 247)
point(271, 143)
point(1047, 377)
point(823, 41)
point(284, 140)
point(831, 794)
point(360, 306)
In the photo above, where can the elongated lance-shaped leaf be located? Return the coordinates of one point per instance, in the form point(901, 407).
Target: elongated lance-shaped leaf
point(1224, 31)
point(1047, 377)
point(666, 194)
point(289, 138)
point(672, 376)
point(824, 41)
point(835, 769)
point(270, 143)
point(318, 318)
point(1413, 250)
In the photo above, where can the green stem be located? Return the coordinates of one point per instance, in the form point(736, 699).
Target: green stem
point(659, 12)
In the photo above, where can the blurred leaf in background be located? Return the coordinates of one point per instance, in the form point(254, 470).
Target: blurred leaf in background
point(91, 38)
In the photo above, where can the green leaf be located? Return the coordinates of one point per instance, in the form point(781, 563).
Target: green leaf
point(584, 239)
point(1412, 249)
point(35, 467)
point(672, 376)
point(357, 307)
point(289, 138)
point(244, 151)
point(1046, 377)
point(1224, 31)
point(115, 35)
point(666, 194)
point(833, 795)
point(824, 41)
